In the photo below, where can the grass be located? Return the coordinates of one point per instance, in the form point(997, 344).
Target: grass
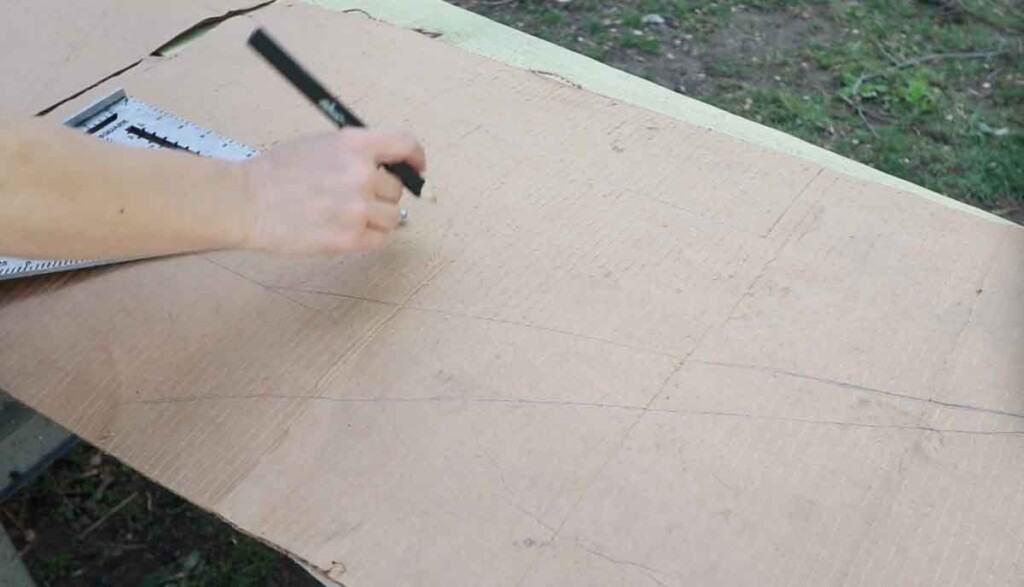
point(931, 90)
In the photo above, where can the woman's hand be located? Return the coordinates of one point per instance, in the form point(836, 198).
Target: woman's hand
point(327, 194)
point(64, 195)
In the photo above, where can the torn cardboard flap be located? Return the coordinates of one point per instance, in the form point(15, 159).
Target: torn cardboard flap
point(617, 350)
point(50, 51)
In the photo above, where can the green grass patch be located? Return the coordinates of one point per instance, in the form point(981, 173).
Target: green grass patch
point(648, 45)
point(806, 116)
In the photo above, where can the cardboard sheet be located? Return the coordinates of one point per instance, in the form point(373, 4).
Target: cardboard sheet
point(51, 49)
point(618, 350)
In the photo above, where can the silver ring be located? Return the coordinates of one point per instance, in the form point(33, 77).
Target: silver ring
point(403, 214)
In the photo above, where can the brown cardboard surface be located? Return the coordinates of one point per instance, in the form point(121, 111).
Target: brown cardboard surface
point(617, 350)
point(51, 49)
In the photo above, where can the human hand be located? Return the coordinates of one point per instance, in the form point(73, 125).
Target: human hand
point(327, 194)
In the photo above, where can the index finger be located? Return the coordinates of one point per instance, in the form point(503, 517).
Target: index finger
point(386, 146)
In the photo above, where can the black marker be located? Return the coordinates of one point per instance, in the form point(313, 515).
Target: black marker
point(320, 98)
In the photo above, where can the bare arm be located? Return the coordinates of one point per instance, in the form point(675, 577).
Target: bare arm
point(66, 195)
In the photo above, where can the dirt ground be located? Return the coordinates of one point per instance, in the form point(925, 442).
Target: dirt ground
point(931, 91)
point(92, 522)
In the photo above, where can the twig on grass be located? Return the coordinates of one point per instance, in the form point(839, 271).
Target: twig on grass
point(931, 57)
point(860, 112)
point(107, 515)
point(884, 51)
point(854, 100)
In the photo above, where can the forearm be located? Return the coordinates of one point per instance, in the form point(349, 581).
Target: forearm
point(66, 195)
